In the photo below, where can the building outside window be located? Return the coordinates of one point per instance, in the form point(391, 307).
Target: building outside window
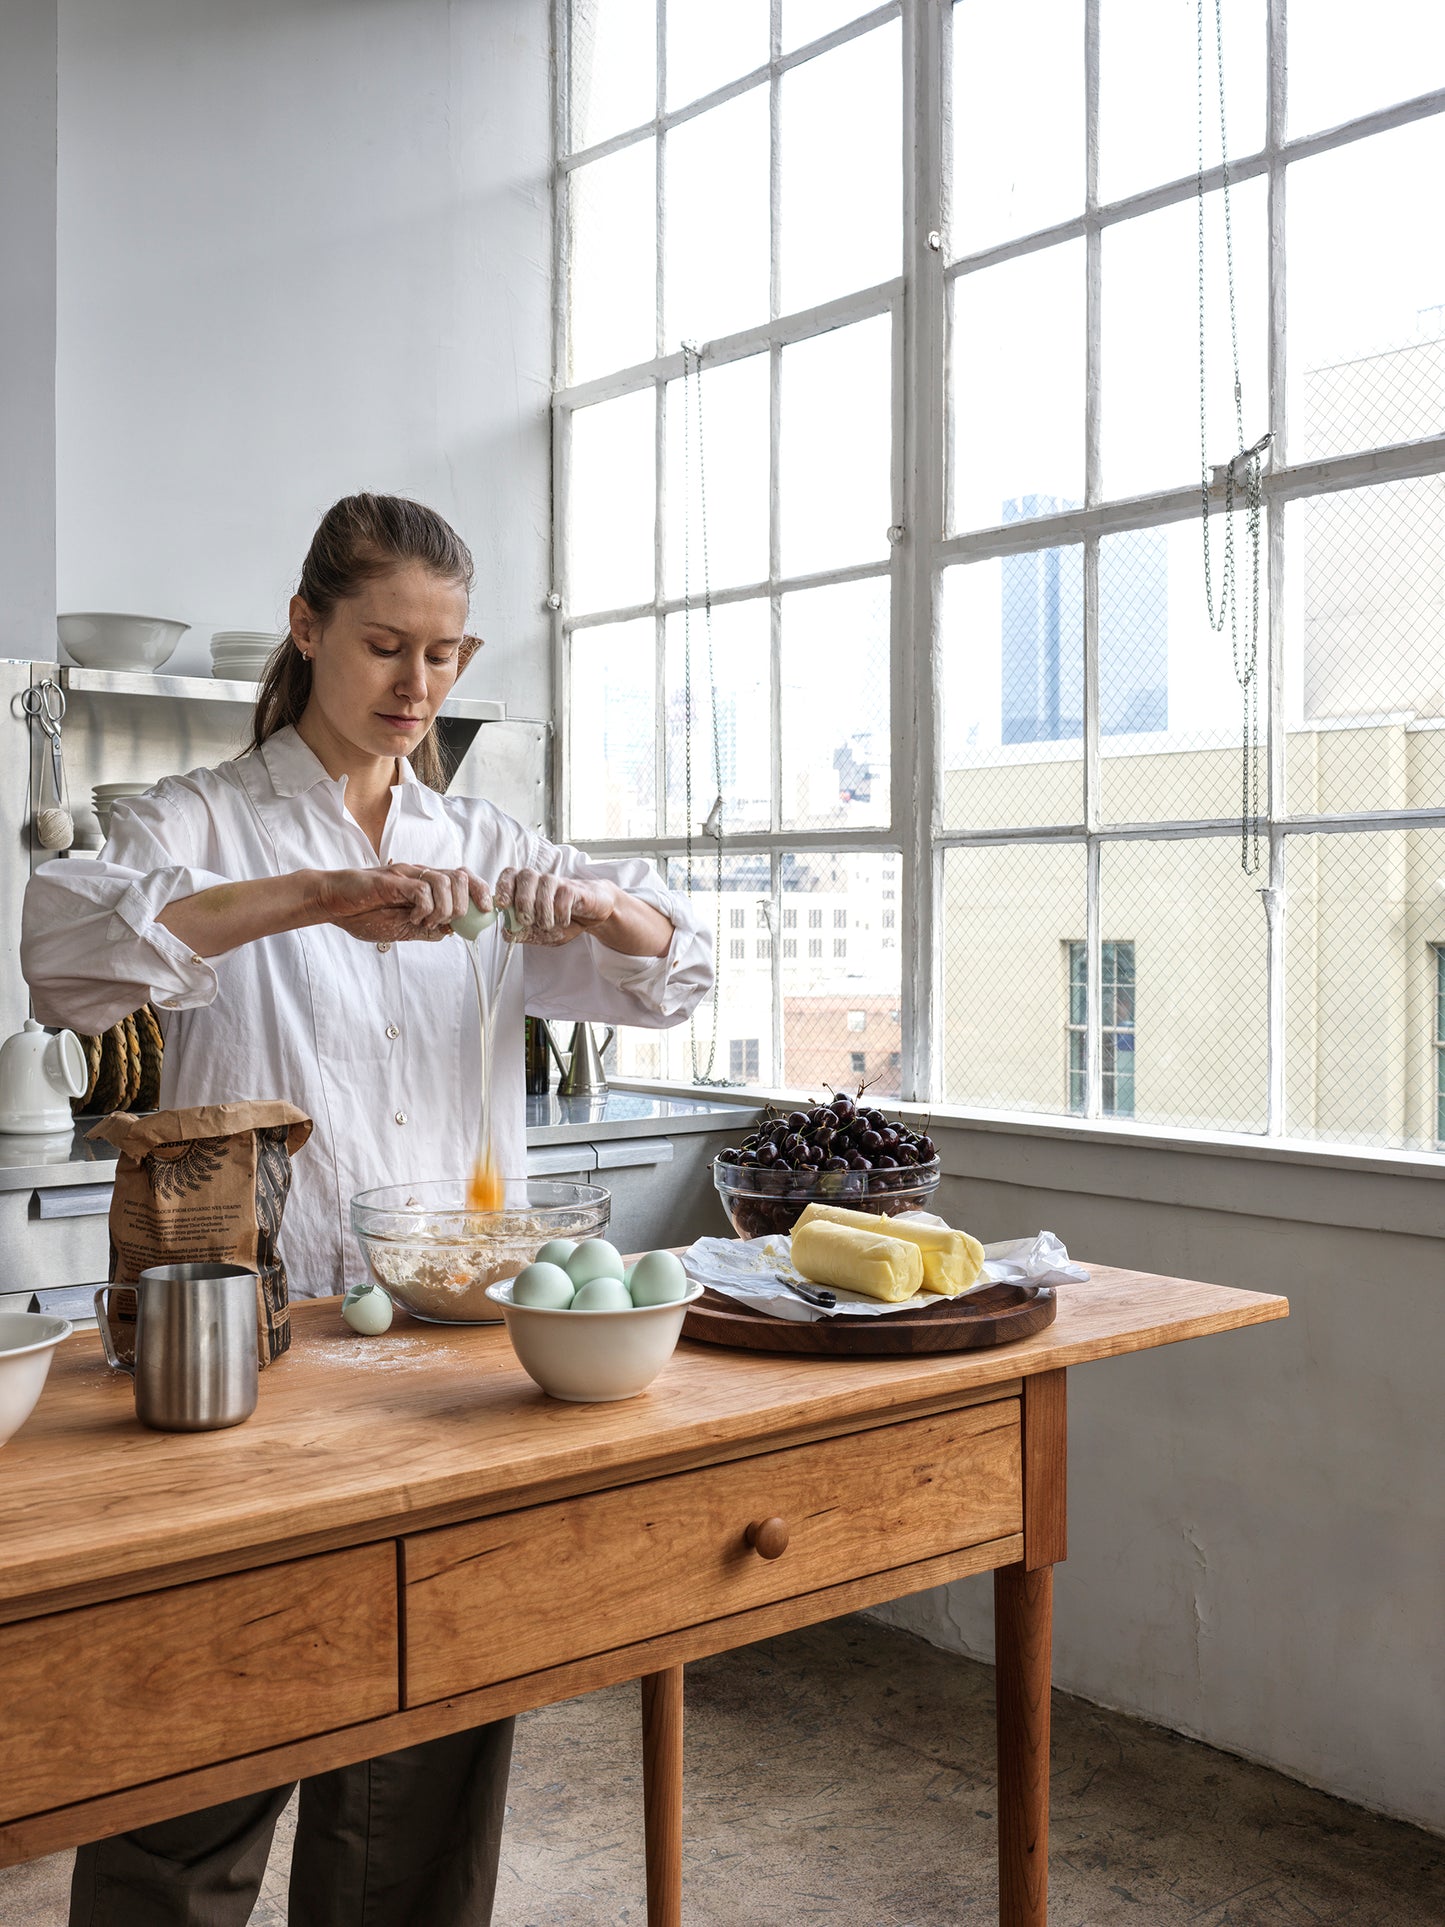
point(840, 946)
point(765, 949)
point(790, 919)
point(815, 946)
point(857, 1020)
point(1116, 1034)
point(858, 1063)
point(840, 919)
point(790, 947)
point(743, 1060)
point(738, 949)
point(737, 919)
point(815, 920)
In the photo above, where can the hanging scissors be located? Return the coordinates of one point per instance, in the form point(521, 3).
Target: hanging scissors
point(45, 704)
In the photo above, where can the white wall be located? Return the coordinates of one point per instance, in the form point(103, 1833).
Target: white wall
point(1257, 1520)
point(304, 248)
point(27, 327)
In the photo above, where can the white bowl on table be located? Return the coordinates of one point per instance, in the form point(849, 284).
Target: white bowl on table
point(104, 640)
point(27, 1344)
point(592, 1357)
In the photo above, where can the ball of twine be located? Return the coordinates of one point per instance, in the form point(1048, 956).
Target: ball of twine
point(54, 829)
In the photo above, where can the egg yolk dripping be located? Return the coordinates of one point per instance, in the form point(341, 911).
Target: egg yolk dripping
point(486, 1188)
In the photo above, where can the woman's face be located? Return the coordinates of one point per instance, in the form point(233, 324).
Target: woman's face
point(384, 660)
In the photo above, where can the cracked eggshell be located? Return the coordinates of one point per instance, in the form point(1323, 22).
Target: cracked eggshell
point(367, 1309)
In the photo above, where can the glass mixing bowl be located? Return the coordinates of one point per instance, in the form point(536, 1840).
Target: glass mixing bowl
point(436, 1257)
point(760, 1201)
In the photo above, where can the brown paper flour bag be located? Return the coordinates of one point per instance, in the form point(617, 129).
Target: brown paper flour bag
point(205, 1183)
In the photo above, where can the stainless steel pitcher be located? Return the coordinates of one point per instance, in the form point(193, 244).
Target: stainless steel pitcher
point(196, 1361)
point(581, 1067)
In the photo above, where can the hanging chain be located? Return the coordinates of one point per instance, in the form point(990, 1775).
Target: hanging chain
point(692, 397)
point(1246, 466)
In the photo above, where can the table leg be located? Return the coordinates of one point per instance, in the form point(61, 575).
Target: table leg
point(662, 1794)
point(1023, 1612)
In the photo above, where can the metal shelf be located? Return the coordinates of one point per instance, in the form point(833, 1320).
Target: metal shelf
point(209, 689)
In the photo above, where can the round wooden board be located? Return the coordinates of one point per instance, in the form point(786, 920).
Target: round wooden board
point(995, 1315)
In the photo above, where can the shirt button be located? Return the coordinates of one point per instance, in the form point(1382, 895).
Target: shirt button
point(392, 1031)
point(196, 959)
point(383, 948)
point(401, 1117)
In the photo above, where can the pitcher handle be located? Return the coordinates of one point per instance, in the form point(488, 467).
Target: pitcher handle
point(115, 1363)
point(552, 1045)
point(611, 1033)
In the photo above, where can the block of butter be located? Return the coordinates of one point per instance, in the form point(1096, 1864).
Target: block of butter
point(952, 1260)
point(863, 1261)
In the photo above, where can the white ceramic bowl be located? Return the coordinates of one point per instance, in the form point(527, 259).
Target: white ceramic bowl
point(592, 1357)
point(27, 1344)
point(106, 641)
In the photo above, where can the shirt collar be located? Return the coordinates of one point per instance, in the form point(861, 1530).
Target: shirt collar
point(294, 769)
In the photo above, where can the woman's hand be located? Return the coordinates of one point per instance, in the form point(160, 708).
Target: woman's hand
point(396, 902)
point(556, 909)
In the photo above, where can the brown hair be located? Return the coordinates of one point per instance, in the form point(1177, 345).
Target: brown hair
point(360, 537)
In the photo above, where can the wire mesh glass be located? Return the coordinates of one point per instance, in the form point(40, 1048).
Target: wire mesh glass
point(717, 477)
point(716, 251)
point(1148, 89)
point(1367, 345)
point(835, 730)
point(838, 925)
point(1010, 912)
point(1365, 649)
point(611, 493)
point(611, 731)
point(1364, 928)
point(734, 760)
point(1149, 401)
point(1201, 962)
point(707, 46)
point(612, 75)
point(809, 20)
point(612, 262)
point(1337, 71)
point(835, 458)
point(1018, 119)
point(841, 170)
point(1012, 672)
point(1018, 389)
point(1170, 703)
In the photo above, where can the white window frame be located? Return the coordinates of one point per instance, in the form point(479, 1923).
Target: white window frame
point(918, 300)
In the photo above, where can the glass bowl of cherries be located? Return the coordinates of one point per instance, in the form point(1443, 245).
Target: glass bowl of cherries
point(841, 1152)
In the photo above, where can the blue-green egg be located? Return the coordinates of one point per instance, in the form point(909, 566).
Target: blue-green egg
point(367, 1309)
point(543, 1285)
point(556, 1251)
point(594, 1258)
point(657, 1278)
point(602, 1294)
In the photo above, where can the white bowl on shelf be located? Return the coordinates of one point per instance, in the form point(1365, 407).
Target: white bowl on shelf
point(104, 640)
point(27, 1344)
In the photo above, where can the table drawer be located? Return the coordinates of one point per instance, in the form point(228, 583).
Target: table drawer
point(499, 1598)
point(110, 1696)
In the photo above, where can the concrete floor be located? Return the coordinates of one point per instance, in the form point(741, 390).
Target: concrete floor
point(845, 1774)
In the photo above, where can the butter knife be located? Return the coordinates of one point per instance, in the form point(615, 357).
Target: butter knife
point(816, 1295)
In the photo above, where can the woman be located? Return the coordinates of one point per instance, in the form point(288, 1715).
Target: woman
point(287, 914)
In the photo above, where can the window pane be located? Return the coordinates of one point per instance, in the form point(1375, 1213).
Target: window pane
point(806, 20)
point(1170, 709)
point(613, 227)
point(1337, 69)
point(1149, 91)
point(1012, 667)
point(837, 441)
point(707, 46)
point(1150, 401)
point(835, 686)
point(611, 731)
point(1018, 118)
point(610, 533)
point(718, 441)
point(1197, 926)
point(821, 993)
point(1364, 663)
point(613, 81)
point(716, 221)
point(1010, 914)
point(1018, 368)
point(1364, 914)
point(842, 206)
point(1367, 347)
point(739, 767)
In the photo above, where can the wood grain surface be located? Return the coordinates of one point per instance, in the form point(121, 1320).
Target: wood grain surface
point(586, 1574)
point(662, 1794)
point(201, 1673)
point(1023, 1608)
point(1046, 1462)
point(355, 1438)
point(996, 1315)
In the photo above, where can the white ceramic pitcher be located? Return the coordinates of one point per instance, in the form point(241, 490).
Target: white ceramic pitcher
point(39, 1074)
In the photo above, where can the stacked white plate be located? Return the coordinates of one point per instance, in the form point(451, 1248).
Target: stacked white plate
point(105, 796)
point(241, 655)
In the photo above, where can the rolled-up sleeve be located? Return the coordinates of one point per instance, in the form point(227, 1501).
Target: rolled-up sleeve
point(91, 947)
point(587, 981)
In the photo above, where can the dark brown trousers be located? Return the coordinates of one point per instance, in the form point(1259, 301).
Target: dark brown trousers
point(408, 1838)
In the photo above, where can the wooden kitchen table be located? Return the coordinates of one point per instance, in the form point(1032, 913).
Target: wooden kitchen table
point(408, 1539)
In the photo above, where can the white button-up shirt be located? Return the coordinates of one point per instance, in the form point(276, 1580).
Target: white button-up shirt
point(376, 1042)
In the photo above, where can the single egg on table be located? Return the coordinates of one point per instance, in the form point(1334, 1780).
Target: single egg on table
point(657, 1278)
point(556, 1251)
point(594, 1258)
point(602, 1294)
point(543, 1285)
point(367, 1309)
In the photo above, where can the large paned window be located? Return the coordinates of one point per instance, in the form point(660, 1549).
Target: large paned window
point(887, 340)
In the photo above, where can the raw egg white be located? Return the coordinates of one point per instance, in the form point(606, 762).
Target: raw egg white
point(594, 1258)
point(542, 1284)
point(658, 1279)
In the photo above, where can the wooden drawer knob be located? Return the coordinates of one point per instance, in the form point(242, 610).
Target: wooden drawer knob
point(769, 1537)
